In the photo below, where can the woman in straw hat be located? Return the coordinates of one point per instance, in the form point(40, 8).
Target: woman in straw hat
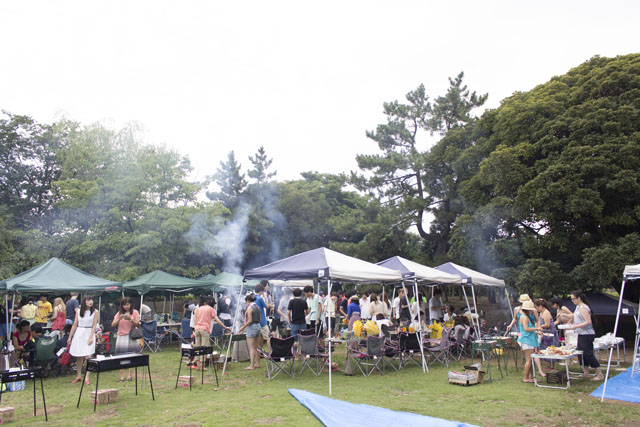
point(516, 314)
point(528, 338)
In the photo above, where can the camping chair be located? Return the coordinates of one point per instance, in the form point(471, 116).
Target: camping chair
point(280, 357)
point(217, 337)
point(311, 355)
point(373, 358)
point(185, 335)
point(152, 339)
point(440, 351)
point(391, 349)
point(44, 354)
point(409, 349)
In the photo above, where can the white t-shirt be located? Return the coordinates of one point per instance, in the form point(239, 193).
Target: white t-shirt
point(396, 306)
point(435, 314)
point(364, 308)
point(380, 323)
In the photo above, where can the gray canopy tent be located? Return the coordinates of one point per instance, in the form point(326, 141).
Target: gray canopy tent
point(326, 265)
point(472, 278)
point(418, 274)
point(631, 274)
point(54, 276)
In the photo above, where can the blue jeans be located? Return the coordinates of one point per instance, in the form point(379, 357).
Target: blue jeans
point(295, 327)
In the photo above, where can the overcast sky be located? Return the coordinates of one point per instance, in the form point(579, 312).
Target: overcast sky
point(305, 79)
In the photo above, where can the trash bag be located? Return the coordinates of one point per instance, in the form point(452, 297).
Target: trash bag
point(372, 328)
point(357, 328)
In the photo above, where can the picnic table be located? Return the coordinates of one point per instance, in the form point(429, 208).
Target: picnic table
point(558, 358)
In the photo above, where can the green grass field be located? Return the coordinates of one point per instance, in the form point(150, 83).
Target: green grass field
point(249, 398)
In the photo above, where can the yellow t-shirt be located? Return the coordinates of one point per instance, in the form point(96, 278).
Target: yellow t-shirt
point(44, 310)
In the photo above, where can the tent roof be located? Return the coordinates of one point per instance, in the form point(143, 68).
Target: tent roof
point(161, 281)
point(602, 305)
point(632, 271)
point(56, 275)
point(475, 277)
point(419, 271)
point(324, 263)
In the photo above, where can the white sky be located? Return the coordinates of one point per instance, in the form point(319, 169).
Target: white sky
point(304, 79)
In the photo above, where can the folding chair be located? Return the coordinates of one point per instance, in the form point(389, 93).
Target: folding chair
point(440, 352)
point(185, 334)
point(151, 338)
point(280, 357)
point(217, 337)
point(44, 354)
point(311, 355)
point(373, 358)
point(409, 348)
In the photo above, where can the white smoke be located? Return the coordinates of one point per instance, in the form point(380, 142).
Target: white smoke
point(222, 240)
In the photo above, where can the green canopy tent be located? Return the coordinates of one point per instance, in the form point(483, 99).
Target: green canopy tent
point(56, 277)
point(160, 281)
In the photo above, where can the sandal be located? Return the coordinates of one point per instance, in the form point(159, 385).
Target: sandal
point(76, 380)
point(129, 379)
point(527, 381)
point(597, 379)
point(249, 368)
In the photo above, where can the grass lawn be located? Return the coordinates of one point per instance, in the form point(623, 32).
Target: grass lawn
point(249, 398)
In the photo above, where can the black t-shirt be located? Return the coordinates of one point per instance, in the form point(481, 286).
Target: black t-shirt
point(404, 312)
point(344, 304)
point(297, 307)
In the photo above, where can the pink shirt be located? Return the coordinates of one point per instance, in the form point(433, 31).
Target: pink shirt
point(124, 326)
point(204, 316)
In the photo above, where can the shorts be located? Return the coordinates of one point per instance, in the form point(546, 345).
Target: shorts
point(265, 332)
point(202, 338)
point(253, 330)
point(526, 347)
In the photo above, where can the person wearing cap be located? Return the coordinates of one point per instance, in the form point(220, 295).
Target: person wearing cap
point(528, 338)
point(516, 314)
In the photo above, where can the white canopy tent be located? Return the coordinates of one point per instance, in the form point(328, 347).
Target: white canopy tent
point(419, 274)
point(474, 278)
point(631, 273)
point(324, 264)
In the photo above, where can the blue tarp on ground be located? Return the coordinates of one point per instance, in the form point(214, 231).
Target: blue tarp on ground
point(621, 387)
point(332, 412)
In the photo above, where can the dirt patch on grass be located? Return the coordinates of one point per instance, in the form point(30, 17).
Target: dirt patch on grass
point(93, 419)
point(276, 420)
point(235, 383)
point(51, 410)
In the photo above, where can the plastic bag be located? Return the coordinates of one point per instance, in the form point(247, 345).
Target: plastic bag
point(372, 328)
point(357, 328)
point(436, 331)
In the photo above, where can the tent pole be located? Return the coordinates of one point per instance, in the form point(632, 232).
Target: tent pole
point(509, 302)
point(6, 312)
point(406, 295)
point(233, 325)
point(615, 331)
point(100, 303)
point(634, 367)
point(469, 308)
point(329, 329)
point(415, 292)
point(393, 296)
point(164, 303)
point(475, 308)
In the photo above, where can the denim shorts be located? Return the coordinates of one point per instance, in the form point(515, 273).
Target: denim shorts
point(253, 330)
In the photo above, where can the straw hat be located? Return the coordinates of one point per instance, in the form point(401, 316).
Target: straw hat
point(528, 305)
point(524, 297)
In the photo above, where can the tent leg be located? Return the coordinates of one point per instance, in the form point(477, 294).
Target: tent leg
point(475, 308)
point(415, 292)
point(419, 331)
point(468, 306)
point(99, 303)
point(508, 302)
point(615, 331)
point(233, 325)
point(329, 331)
point(6, 312)
point(393, 296)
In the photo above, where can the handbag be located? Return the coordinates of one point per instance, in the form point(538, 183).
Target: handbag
point(136, 333)
point(65, 358)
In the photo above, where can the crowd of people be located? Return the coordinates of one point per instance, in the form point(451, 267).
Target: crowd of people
point(78, 324)
point(536, 330)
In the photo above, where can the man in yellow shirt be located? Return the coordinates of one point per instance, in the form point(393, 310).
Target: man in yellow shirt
point(44, 311)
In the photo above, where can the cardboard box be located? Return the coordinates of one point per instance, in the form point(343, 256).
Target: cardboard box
point(7, 414)
point(475, 370)
point(102, 397)
point(185, 380)
point(114, 394)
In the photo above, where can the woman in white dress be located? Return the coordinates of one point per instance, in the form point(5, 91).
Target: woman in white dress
point(83, 334)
